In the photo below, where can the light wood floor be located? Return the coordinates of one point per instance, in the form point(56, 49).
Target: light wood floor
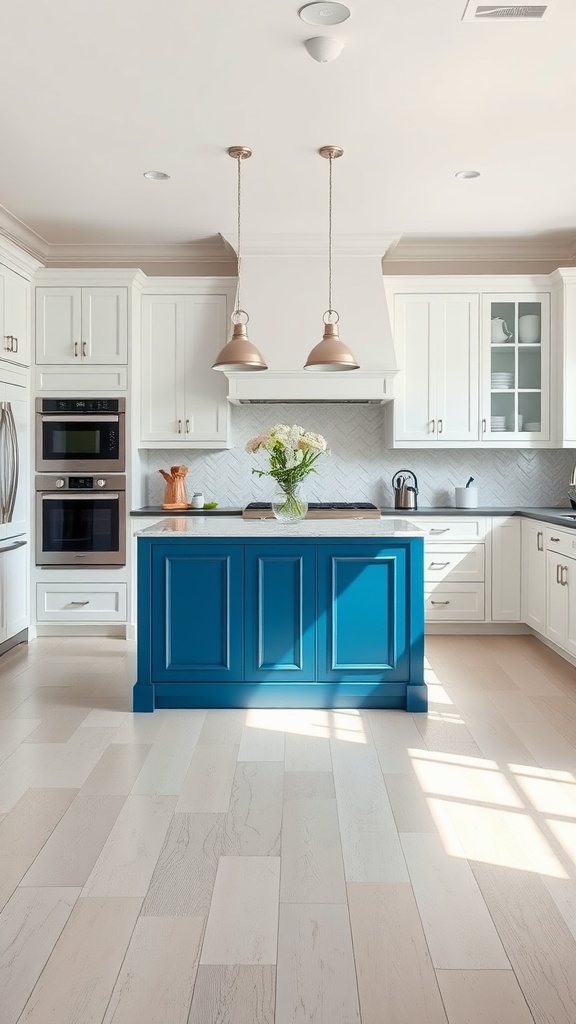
point(288, 867)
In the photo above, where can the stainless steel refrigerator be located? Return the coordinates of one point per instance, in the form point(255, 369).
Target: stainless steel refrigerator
point(14, 509)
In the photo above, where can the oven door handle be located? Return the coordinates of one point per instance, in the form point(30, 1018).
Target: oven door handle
point(72, 418)
point(76, 496)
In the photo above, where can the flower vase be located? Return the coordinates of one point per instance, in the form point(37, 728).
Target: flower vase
point(289, 505)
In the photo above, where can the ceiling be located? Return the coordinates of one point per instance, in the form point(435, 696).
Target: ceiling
point(94, 94)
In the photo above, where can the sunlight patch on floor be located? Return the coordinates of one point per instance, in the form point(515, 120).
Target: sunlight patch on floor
point(341, 725)
point(445, 775)
point(565, 833)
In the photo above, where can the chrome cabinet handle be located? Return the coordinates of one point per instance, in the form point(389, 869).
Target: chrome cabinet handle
point(440, 426)
point(80, 602)
point(439, 602)
point(75, 350)
point(15, 340)
point(558, 567)
point(564, 578)
point(179, 426)
point(483, 426)
point(432, 426)
point(84, 349)
point(438, 565)
point(437, 529)
point(555, 539)
point(540, 541)
point(187, 426)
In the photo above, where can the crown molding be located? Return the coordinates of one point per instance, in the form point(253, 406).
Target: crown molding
point(313, 245)
point(495, 250)
point(133, 255)
point(21, 235)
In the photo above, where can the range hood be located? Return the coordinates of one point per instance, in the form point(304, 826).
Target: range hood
point(285, 296)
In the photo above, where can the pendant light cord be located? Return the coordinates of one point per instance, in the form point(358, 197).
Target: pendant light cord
point(330, 238)
point(239, 225)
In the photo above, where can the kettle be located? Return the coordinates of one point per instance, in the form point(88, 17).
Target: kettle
point(405, 493)
point(499, 333)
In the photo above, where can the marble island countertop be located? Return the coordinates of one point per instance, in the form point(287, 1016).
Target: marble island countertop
point(206, 527)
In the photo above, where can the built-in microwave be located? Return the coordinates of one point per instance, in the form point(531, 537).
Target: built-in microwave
point(80, 520)
point(80, 435)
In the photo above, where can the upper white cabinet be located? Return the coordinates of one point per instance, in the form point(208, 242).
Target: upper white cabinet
point(81, 325)
point(14, 317)
point(183, 401)
point(564, 283)
point(436, 390)
point(515, 367)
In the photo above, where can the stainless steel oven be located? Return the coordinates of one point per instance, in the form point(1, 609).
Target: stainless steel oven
point(80, 435)
point(80, 520)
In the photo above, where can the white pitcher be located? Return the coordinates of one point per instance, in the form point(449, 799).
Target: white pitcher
point(499, 331)
point(529, 329)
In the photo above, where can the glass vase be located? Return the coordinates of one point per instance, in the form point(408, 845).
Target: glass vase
point(289, 504)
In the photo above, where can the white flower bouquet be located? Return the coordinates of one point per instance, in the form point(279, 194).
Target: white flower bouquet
point(293, 452)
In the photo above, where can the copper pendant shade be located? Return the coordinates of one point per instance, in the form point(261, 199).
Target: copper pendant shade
point(331, 354)
point(239, 353)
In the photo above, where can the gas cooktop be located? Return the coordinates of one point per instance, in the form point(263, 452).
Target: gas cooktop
point(319, 510)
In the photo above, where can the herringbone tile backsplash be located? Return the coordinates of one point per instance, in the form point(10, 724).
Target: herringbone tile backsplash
point(361, 468)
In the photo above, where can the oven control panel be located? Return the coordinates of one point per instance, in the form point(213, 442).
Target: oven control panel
point(80, 482)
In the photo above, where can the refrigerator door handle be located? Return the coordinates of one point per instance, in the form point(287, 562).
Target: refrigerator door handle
point(14, 470)
point(3, 460)
point(12, 547)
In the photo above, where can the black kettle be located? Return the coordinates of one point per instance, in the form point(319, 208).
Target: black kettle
point(405, 490)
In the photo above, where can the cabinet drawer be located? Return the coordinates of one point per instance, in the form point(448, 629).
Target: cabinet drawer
point(460, 563)
point(454, 602)
point(560, 541)
point(81, 602)
point(436, 528)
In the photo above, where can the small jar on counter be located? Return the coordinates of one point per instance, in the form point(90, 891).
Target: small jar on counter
point(197, 499)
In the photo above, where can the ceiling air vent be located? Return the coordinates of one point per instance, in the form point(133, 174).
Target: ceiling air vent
point(476, 11)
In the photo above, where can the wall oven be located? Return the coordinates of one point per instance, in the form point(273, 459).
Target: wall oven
point(80, 520)
point(80, 435)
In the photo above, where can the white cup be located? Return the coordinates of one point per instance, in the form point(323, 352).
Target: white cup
point(466, 497)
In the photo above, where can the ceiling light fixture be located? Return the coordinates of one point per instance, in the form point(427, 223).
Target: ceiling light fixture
point(239, 353)
point(467, 174)
point(328, 13)
point(324, 48)
point(331, 353)
point(156, 175)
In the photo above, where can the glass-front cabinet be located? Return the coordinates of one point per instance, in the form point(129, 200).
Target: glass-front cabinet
point(515, 374)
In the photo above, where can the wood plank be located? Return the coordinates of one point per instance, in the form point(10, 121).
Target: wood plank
point(73, 765)
point(94, 941)
point(315, 977)
point(105, 718)
point(59, 726)
point(483, 997)
point(312, 868)
point(242, 924)
point(409, 804)
point(394, 735)
point(363, 804)
point(141, 727)
point(29, 928)
point(184, 875)
point(75, 844)
point(254, 821)
point(392, 959)
point(22, 769)
point(261, 744)
point(157, 977)
point(27, 827)
point(550, 749)
point(301, 785)
point(117, 769)
point(165, 768)
point(128, 859)
point(541, 949)
point(223, 725)
point(208, 783)
point(307, 753)
point(373, 857)
point(456, 921)
point(12, 871)
point(12, 733)
point(233, 995)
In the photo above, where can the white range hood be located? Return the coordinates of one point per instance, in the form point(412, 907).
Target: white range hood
point(285, 294)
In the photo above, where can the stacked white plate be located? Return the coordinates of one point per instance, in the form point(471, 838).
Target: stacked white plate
point(532, 427)
point(497, 423)
point(501, 381)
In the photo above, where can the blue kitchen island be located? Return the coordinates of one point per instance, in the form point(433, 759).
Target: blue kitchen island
point(316, 614)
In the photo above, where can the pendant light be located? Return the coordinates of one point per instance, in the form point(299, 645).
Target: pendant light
point(331, 353)
point(239, 353)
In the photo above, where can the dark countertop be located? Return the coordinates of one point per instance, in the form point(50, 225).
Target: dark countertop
point(547, 515)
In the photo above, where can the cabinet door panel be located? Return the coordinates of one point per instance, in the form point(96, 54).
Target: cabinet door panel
point(206, 404)
point(105, 325)
point(163, 347)
point(570, 588)
point(506, 566)
point(415, 386)
point(280, 614)
point(456, 330)
point(534, 576)
point(16, 317)
point(197, 613)
point(362, 613)
point(556, 604)
point(58, 325)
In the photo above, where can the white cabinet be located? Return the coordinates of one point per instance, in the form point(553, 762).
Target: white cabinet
point(561, 587)
point(13, 587)
point(436, 339)
point(81, 325)
point(81, 602)
point(454, 568)
point(183, 401)
point(14, 317)
point(533, 575)
point(515, 366)
point(506, 569)
point(564, 281)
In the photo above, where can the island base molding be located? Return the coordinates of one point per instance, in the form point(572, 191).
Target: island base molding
point(413, 697)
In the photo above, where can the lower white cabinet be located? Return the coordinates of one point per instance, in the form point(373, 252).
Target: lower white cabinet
point(506, 569)
point(81, 602)
point(454, 602)
point(454, 567)
point(533, 575)
point(561, 588)
point(13, 588)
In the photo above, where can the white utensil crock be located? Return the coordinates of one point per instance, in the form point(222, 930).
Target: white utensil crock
point(466, 497)
point(529, 329)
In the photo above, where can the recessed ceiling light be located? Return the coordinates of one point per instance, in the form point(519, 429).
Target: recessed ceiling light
point(156, 175)
point(324, 13)
point(467, 174)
